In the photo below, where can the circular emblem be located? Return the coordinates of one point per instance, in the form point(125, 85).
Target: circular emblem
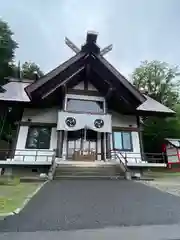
point(71, 122)
point(98, 123)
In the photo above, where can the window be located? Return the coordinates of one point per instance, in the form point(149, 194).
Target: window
point(38, 138)
point(123, 141)
point(89, 106)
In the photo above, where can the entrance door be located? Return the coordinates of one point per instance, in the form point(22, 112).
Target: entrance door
point(90, 141)
point(82, 141)
point(74, 142)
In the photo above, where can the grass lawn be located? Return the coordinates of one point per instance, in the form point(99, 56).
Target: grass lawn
point(13, 196)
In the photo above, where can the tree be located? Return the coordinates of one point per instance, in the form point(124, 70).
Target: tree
point(8, 68)
point(159, 80)
point(7, 51)
point(29, 69)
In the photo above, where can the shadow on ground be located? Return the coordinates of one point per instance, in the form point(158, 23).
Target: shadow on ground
point(88, 204)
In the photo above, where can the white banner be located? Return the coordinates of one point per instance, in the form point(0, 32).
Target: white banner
point(76, 121)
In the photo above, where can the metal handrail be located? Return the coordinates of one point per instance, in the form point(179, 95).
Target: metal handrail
point(52, 168)
point(119, 151)
point(114, 152)
point(143, 157)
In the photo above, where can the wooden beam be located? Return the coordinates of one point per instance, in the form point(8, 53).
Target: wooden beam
point(87, 76)
point(140, 138)
point(59, 143)
point(132, 129)
point(109, 93)
point(103, 72)
point(74, 62)
point(106, 50)
point(39, 124)
point(15, 139)
point(122, 86)
point(63, 83)
point(84, 92)
point(71, 45)
point(108, 144)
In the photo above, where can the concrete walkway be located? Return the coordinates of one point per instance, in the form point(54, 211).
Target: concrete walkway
point(129, 233)
point(94, 204)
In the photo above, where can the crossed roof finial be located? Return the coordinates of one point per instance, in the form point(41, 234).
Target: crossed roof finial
point(91, 38)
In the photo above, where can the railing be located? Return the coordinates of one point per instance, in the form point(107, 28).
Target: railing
point(52, 168)
point(137, 157)
point(126, 157)
point(118, 155)
point(46, 155)
point(34, 155)
point(154, 157)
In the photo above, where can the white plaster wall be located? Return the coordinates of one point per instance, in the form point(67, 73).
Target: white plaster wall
point(23, 131)
point(79, 86)
point(43, 154)
point(91, 87)
point(46, 115)
point(119, 120)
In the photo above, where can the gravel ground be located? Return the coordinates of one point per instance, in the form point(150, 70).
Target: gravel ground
point(169, 185)
point(91, 204)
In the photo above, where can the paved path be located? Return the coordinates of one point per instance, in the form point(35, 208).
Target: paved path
point(93, 204)
point(159, 232)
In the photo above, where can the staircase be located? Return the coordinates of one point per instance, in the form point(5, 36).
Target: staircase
point(88, 170)
point(91, 170)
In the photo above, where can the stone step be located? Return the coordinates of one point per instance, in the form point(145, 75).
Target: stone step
point(90, 177)
point(75, 171)
point(83, 168)
point(87, 174)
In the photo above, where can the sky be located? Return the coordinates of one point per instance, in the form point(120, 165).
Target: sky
point(138, 29)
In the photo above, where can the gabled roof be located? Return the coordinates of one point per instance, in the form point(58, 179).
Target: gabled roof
point(103, 74)
point(121, 78)
point(174, 142)
point(151, 105)
point(89, 54)
point(55, 72)
point(14, 92)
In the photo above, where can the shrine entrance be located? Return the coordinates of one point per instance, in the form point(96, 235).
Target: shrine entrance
point(82, 145)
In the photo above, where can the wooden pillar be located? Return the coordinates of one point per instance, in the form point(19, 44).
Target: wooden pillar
point(140, 137)
point(65, 146)
point(59, 143)
point(108, 145)
point(16, 134)
point(84, 139)
point(98, 146)
point(105, 148)
point(103, 144)
point(15, 139)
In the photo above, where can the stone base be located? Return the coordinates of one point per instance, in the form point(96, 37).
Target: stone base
point(127, 175)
